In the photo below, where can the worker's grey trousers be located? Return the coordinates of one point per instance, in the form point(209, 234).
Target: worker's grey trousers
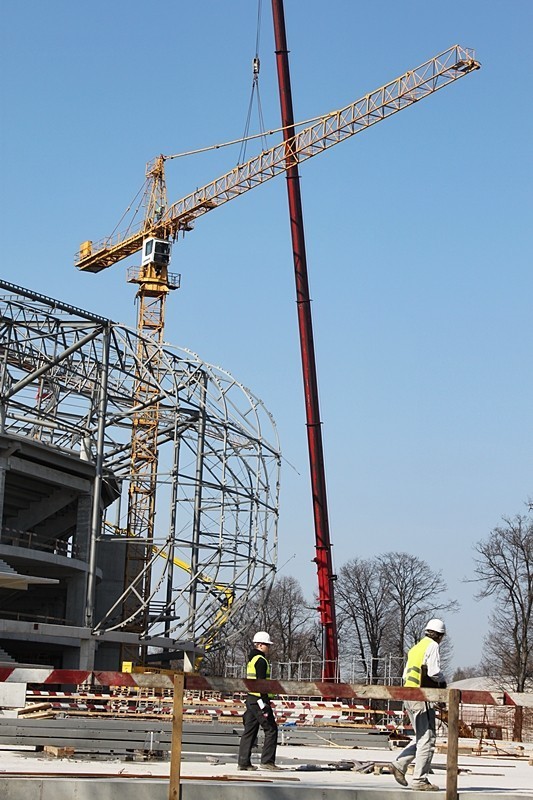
point(422, 716)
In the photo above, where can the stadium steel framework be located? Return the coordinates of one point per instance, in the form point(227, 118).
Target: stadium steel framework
point(67, 408)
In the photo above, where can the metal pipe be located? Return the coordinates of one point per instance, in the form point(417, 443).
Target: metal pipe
point(172, 525)
point(197, 513)
point(32, 376)
point(305, 323)
point(96, 515)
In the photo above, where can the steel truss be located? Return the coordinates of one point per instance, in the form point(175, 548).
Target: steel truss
point(68, 379)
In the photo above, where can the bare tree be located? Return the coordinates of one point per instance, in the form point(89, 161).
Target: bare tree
point(363, 611)
point(462, 673)
point(219, 658)
point(285, 614)
point(290, 622)
point(384, 603)
point(415, 594)
point(231, 649)
point(504, 569)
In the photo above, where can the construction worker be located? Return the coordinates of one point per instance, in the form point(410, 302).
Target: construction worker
point(258, 710)
point(422, 670)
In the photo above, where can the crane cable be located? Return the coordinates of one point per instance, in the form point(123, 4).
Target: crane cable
point(141, 192)
point(244, 139)
point(256, 64)
point(249, 138)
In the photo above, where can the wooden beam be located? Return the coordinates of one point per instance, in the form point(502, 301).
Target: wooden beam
point(177, 731)
point(454, 700)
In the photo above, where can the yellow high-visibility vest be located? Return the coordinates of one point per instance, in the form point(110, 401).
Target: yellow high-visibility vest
point(251, 673)
point(415, 659)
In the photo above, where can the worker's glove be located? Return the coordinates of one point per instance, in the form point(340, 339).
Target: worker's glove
point(263, 707)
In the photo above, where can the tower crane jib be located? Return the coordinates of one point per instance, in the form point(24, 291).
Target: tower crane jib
point(329, 130)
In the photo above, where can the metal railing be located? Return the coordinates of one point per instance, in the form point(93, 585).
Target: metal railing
point(384, 671)
point(36, 541)
point(29, 616)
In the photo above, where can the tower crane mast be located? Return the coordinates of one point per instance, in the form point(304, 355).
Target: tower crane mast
point(163, 223)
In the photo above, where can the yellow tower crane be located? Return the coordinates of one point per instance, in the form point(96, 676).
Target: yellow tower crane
point(162, 224)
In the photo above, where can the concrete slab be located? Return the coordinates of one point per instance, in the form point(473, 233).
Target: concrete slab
point(29, 776)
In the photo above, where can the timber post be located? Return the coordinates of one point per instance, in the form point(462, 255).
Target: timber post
point(177, 731)
point(454, 699)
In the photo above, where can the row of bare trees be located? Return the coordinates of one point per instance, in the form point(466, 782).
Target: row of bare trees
point(383, 603)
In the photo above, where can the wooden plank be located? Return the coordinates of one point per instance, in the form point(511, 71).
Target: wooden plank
point(177, 730)
point(59, 752)
point(454, 700)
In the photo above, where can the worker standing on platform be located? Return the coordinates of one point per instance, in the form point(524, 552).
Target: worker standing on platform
point(422, 670)
point(258, 710)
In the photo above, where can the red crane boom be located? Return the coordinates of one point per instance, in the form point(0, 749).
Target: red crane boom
point(323, 557)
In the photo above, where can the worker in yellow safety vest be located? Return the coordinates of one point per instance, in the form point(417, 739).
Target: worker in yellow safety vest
point(259, 712)
point(422, 670)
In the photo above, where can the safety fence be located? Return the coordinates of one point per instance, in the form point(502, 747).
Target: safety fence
point(290, 688)
point(147, 703)
point(385, 670)
point(134, 695)
point(490, 715)
point(19, 678)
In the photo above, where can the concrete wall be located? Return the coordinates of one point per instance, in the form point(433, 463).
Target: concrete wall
point(46, 510)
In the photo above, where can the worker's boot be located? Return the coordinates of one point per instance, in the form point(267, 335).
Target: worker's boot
point(424, 786)
point(399, 774)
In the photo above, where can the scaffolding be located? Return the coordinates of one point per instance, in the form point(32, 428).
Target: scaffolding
point(70, 381)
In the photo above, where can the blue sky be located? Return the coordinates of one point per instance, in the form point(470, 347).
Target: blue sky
point(418, 238)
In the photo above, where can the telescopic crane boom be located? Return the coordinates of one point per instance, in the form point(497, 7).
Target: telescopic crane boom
point(164, 223)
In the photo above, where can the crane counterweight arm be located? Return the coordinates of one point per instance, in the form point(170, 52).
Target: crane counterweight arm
point(333, 128)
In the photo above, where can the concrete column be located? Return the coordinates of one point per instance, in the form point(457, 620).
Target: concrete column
point(189, 659)
point(83, 527)
point(2, 490)
point(77, 582)
point(87, 654)
point(75, 601)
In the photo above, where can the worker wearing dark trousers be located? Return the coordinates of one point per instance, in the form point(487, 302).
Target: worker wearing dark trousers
point(259, 712)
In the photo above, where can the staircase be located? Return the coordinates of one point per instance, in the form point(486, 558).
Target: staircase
point(5, 659)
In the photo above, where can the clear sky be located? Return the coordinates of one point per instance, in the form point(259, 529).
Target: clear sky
point(418, 239)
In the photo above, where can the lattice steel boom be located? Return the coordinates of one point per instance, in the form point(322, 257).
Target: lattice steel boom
point(331, 129)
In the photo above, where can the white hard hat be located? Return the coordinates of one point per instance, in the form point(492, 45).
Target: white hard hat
point(436, 625)
point(262, 637)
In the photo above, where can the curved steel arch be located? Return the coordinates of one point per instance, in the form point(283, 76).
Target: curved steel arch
point(67, 380)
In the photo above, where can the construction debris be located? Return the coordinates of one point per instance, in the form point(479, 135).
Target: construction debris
point(58, 752)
